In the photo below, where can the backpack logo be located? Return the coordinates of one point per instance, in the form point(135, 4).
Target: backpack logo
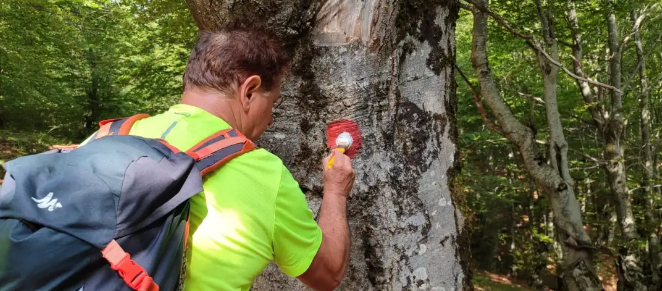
point(47, 201)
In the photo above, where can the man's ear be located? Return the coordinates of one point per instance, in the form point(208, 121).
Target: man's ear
point(247, 90)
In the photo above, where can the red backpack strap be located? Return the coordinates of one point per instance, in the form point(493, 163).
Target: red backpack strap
point(219, 148)
point(133, 274)
point(118, 126)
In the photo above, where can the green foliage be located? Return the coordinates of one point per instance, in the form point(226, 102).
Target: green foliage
point(15, 144)
point(496, 199)
point(484, 282)
point(65, 65)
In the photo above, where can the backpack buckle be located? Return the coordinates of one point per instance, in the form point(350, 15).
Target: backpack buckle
point(132, 273)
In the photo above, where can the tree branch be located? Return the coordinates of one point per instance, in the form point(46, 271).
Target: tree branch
point(639, 188)
point(551, 60)
point(537, 99)
point(565, 43)
point(465, 6)
point(530, 40)
point(499, 19)
point(635, 28)
point(636, 69)
point(483, 113)
point(544, 21)
point(598, 161)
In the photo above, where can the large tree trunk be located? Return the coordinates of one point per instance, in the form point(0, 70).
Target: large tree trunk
point(577, 266)
point(389, 66)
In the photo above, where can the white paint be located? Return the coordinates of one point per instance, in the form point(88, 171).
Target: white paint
point(422, 249)
point(443, 202)
point(420, 274)
point(417, 219)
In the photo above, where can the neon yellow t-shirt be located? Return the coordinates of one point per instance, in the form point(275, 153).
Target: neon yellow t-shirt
point(251, 212)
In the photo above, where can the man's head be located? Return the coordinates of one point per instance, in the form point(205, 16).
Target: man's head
point(242, 68)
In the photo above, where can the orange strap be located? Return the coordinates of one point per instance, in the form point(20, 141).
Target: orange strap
point(248, 146)
point(133, 274)
point(214, 147)
point(124, 127)
point(212, 152)
point(224, 133)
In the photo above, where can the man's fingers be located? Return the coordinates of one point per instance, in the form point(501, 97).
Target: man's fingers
point(340, 158)
point(325, 162)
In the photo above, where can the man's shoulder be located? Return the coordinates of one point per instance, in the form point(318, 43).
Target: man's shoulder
point(258, 167)
point(261, 156)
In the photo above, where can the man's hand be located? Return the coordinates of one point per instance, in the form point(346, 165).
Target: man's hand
point(328, 267)
point(340, 178)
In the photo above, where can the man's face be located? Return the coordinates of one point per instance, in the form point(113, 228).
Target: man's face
point(259, 116)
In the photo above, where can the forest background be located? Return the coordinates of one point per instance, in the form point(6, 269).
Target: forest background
point(66, 64)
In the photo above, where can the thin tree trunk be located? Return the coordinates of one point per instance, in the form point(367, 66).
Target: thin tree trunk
point(611, 128)
point(595, 108)
point(93, 99)
point(630, 264)
point(647, 157)
point(388, 65)
point(578, 268)
point(2, 123)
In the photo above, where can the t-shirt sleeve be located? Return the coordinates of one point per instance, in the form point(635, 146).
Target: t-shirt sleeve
point(296, 235)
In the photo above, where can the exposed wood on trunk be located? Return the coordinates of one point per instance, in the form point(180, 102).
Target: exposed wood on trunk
point(578, 268)
point(388, 65)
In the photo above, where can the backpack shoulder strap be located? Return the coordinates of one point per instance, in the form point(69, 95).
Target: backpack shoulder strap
point(218, 149)
point(118, 126)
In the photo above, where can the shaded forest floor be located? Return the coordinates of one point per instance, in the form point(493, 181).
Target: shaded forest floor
point(485, 281)
point(15, 144)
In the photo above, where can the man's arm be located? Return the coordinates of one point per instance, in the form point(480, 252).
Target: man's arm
point(329, 265)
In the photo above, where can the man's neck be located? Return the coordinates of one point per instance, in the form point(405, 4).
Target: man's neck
point(213, 102)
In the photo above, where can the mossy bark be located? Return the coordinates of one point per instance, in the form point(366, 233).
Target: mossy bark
point(388, 65)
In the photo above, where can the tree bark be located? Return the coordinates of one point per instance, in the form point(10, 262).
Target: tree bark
point(2, 123)
point(647, 158)
point(630, 262)
point(577, 266)
point(93, 100)
point(388, 65)
point(611, 127)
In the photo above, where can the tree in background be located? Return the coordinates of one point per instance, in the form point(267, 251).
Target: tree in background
point(65, 65)
point(597, 77)
point(578, 269)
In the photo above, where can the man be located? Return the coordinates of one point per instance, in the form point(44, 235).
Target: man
point(252, 211)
